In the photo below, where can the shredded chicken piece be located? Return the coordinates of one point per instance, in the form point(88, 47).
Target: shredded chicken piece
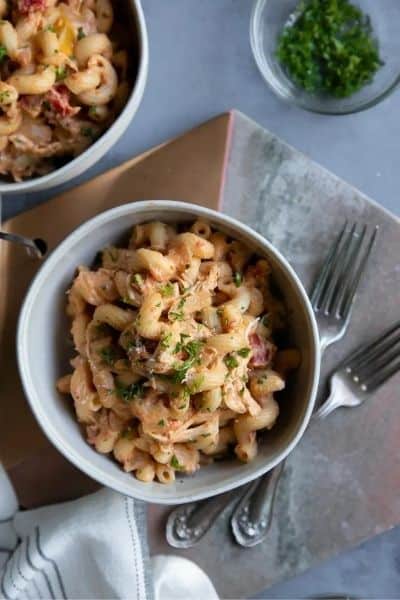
point(32, 105)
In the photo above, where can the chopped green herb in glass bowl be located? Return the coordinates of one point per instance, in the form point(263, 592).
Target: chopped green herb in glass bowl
point(328, 56)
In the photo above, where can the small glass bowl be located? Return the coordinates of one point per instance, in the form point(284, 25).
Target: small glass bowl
point(267, 22)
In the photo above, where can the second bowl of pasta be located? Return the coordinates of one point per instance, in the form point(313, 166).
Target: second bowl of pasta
point(72, 78)
point(194, 359)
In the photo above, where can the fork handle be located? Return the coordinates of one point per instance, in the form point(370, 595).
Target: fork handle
point(188, 523)
point(339, 396)
point(251, 519)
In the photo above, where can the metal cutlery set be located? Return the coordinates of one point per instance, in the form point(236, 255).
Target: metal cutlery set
point(370, 366)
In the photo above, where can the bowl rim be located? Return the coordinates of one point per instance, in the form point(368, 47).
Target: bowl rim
point(67, 449)
point(274, 84)
point(111, 135)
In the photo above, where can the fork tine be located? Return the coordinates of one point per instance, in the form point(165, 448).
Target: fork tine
point(367, 352)
point(338, 270)
point(348, 303)
point(320, 282)
point(377, 356)
point(377, 365)
point(348, 272)
point(381, 377)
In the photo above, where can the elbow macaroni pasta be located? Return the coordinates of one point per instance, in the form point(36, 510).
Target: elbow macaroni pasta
point(63, 67)
point(171, 368)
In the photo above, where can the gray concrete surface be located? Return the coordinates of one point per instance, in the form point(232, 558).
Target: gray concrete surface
point(200, 65)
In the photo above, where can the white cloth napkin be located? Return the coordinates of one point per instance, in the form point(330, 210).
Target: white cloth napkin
point(94, 547)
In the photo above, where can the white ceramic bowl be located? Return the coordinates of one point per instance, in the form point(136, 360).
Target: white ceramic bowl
point(43, 353)
point(78, 165)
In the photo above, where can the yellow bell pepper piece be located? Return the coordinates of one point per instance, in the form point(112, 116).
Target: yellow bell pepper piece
point(66, 35)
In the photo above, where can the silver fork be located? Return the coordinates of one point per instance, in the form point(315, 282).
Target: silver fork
point(332, 298)
point(363, 372)
point(334, 291)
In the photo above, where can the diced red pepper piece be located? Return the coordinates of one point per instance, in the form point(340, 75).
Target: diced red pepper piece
point(28, 6)
point(261, 351)
point(58, 98)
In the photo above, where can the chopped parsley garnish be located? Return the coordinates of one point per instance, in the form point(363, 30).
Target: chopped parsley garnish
point(192, 349)
point(128, 434)
point(178, 348)
point(231, 361)
point(165, 341)
point(50, 28)
point(178, 314)
point(127, 393)
point(46, 105)
point(181, 345)
point(180, 372)
point(161, 423)
point(329, 47)
point(112, 253)
point(4, 96)
point(102, 329)
point(176, 464)
point(167, 290)
point(185, 393)
point(137, 279)
point(3, 52)
point(108, 355)
point(244, 352)
point(87, 132)
point(266, 320)
point(194, 386)
point(81, 33)
point(237, 279)
point(127, 300)
point(131, 345)
point(61, 73)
